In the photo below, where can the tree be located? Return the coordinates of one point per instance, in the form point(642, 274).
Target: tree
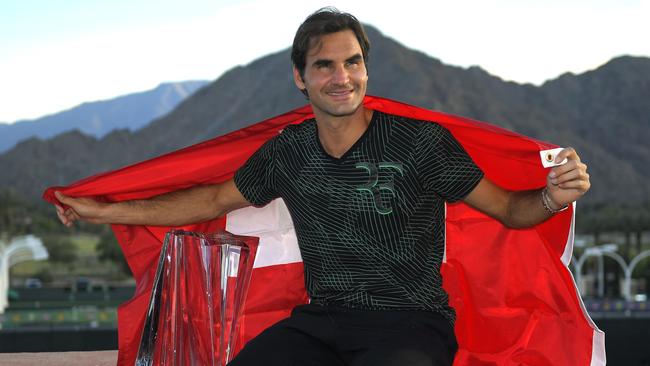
point(60, 249)
point(20, 217)
point(13, 213)
point(641, 224)
point(598, 219)
point(109, 250)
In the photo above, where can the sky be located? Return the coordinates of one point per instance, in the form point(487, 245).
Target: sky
point(56, 54)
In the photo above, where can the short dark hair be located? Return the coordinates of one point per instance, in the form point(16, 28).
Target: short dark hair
point(325, 21)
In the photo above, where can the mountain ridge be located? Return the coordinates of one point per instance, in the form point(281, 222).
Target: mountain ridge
point(97, 118)
point(573, 110)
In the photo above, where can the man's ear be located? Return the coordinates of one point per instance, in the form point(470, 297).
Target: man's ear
point(298, 79)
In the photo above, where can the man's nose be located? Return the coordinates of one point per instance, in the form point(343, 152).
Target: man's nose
point(341, 75)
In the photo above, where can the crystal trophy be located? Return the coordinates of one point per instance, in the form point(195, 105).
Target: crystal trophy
point(197, 299)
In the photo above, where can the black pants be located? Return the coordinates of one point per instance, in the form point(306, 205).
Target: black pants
point(325, 336)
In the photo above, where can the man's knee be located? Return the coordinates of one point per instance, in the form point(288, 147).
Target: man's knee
point(285, 347)
point(401, 357)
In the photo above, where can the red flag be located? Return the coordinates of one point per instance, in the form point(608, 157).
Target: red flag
point(516, 300)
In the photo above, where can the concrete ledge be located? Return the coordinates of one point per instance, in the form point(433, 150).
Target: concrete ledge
point(92, 358)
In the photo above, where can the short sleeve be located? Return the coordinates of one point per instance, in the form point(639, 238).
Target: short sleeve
point(255, 179)
point(444, 166)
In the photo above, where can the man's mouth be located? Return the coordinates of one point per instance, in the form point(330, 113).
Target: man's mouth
point(340, 93)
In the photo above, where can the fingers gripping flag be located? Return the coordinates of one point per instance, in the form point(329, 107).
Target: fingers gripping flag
point(516, 300)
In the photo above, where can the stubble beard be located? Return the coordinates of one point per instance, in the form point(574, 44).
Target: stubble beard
point(338, 113)
point(334, 112)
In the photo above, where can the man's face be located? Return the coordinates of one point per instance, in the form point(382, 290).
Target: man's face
point(335, 75)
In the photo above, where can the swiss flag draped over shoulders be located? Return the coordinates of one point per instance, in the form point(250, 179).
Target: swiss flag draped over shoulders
point(516, 300)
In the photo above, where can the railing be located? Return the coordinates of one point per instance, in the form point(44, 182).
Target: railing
point(617, 308)
point(608, 250)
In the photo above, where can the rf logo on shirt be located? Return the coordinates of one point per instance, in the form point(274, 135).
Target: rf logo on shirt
point(374, 187)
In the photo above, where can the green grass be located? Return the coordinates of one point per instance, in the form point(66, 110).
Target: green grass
point(78, 310)
point(31, 305)
point(29, 268)
point(86, 244)
point(53, 317)
point(87, 264)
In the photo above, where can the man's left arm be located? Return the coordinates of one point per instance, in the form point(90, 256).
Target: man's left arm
point(564, 184)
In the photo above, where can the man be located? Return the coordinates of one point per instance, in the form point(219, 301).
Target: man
point(366, 193)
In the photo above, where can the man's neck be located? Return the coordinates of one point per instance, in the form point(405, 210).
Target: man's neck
point(338, 134)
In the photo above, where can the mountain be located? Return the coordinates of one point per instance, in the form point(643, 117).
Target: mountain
point(603, 113)
point(130, 111)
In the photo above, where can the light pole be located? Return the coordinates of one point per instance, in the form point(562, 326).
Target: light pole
point(20, 249)
point(628, 273)
point(609, 250)
point(598, 252)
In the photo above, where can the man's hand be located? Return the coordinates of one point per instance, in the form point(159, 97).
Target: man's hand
point(519, 209)
point(187, 206)
point(568, 182)
point(86, 209)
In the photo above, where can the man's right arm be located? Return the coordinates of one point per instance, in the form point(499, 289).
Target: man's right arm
point(188, 206)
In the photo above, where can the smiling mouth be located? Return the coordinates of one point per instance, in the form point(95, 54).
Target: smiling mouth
point(340, 93)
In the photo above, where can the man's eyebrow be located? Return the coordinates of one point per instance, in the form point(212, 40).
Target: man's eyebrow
point(322, 62)
point(355, 58)
point(326, 62)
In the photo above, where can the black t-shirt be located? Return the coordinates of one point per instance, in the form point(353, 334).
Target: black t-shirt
point(371, 224)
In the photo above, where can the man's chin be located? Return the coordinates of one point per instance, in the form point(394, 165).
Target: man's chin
point(341, 111)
